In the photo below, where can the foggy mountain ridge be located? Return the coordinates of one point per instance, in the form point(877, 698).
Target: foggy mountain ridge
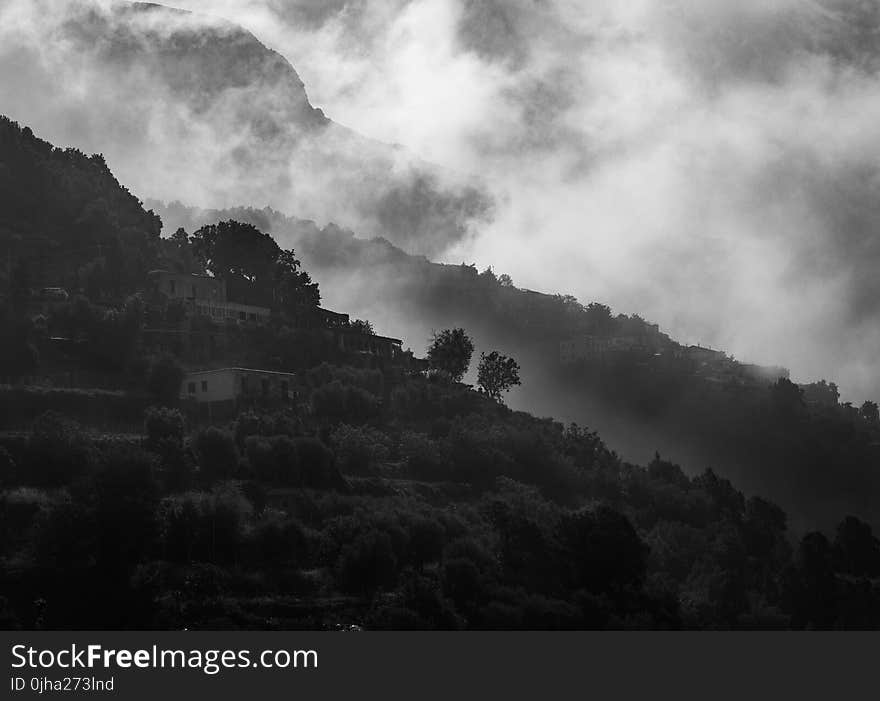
point(815, 459)
point(108, 529)
point(189, 105)
point(198, 61)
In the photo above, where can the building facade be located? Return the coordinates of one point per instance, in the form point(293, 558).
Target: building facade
point(589, 347)
point(189, 286)
point(206, 296)
point(233, 385)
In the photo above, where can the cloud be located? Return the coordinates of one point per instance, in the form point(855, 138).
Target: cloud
point(710, 165)
point(193, 107)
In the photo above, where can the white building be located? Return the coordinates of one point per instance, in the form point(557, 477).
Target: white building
point(232, 311)
point(206, 296)
point(232, 384)
point(189, 286)
point(587, 347)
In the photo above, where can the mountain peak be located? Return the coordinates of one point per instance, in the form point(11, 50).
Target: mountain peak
point(198, 57)
point(192, 107)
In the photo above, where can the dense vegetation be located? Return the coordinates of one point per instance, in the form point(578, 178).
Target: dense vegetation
point(438, 509)
point(815, 460)
point(64, 216)
point(384, 497)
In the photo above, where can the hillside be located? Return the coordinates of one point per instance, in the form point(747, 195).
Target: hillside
point(378, 495)
point(816, 457)
point(65, 217)
point(189, 105)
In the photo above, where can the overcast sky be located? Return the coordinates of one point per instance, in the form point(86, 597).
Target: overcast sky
point(710, 165)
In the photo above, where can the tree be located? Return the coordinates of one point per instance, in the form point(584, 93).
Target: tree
point(870, 412)
point(57, 452)
point(294, 289)
point(450, 353)
point(786, 395)
point(598, 317)
point(161, 424)
point(855, 550)
point(232, 249)
point(182, 251)
point(218, 458)
point(255, 268)
point(18, 355)
point(497, 374)
point(166, 376)
point(363, 326)
point(603, 550)
point(126, 496)
point(367, 563)
point(812, 589)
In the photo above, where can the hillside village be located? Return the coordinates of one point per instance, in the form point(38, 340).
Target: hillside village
point(100, 302)
point(189, 317)
point(656, 349)
point(638, 402)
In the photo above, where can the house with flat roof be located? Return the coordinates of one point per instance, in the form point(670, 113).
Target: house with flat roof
point(233, 385)
point(206, 296)
point(381, 346)
point(189, 286)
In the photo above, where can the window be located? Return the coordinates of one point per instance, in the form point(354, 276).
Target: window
point(204, 385)
point(285, 389)
point(252, 316)
point(173, 288)
point(242, 316)
point(192, 387)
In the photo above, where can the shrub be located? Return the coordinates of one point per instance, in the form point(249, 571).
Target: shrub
point(218, 458)
point(162, 424)
point(248, 424)
point(275, 538)
point(316, 466)
point(423, 596)
point(339, 402)
point(368, 380)
point(207, 526)
point(18, 509)
point(426, 459)
point(358, 449)
point(164, 380)
point(125, 500)
point(8, 475)
point(605, 552)
point(367, 564)
point(57, 451)
point(426, 540)
point(288, 459)
point(468, 571)
point(261, 458)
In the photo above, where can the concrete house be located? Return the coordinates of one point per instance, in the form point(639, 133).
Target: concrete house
point(231, 385)
point(206, 296)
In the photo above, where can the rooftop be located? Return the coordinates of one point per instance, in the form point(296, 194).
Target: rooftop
point(172, 272)
point(263, 372)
